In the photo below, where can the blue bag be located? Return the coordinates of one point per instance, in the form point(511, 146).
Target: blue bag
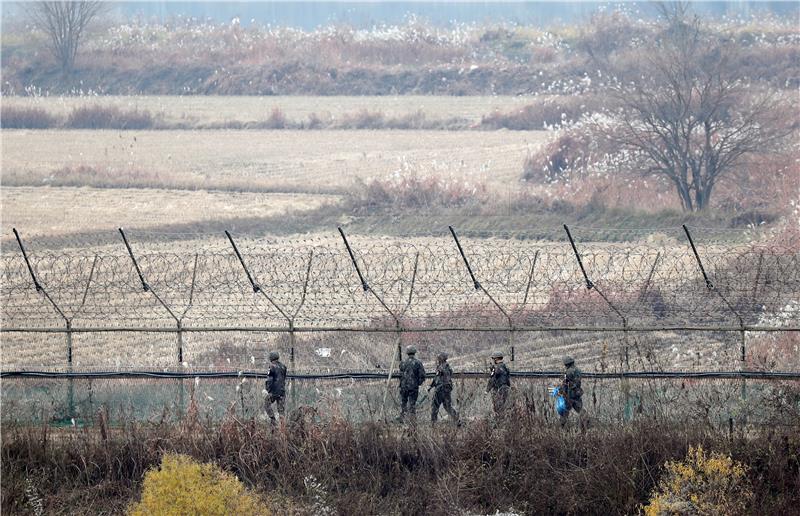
point(561, 402)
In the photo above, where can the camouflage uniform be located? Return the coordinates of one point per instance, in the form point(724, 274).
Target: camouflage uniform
point(499, 385)
point(276, 389)
point(573, 393)
point(443, 383)
point(412, 375)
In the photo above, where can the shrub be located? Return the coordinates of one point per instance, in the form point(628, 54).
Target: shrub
point(701, 484)
point(566, 152)
point(182, 485)
point(13, 117)
point(109, 117)
point(409, 190)
point(277, 120)
point(363, 119)
point(552, 111)
point(314, 122)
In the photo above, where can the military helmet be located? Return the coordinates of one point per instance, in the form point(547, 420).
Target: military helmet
point(273, 355)
point(568, 360)
point(411, 350)
point(442, 356)
point(497, 354)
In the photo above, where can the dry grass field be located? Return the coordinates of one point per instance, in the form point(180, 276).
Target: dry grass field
point(297, 161)
point(63, 210)
point(208, 110)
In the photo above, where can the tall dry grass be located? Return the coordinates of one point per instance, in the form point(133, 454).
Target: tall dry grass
point(346, 468)
point(84, 117)
point(188, 56)
point(112, 117)
point(13, 117)
point(541, 114)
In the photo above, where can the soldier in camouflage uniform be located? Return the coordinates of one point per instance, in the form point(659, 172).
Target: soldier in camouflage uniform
point(571, 388)
point(412, 375)
point(443, 383)
point(276, 387)
point(499, 384)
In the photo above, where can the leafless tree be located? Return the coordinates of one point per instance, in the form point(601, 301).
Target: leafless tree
point(64, 23)
point(686, 112)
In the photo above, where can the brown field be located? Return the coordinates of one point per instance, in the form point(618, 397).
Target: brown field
point(299, 161)
point(199, 110)
point(62, 210)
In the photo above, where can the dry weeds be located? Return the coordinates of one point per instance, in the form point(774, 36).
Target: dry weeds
point(199, 110)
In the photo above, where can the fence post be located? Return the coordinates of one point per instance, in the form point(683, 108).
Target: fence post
point(408, 305)
point(67, 323)
point(530, 278)
point(758, 275)
point(710, 286)
point(364, 284)
point(256, 287)
point(258, 290)
point(743, 351)
point(398, 356)
point(71, 383)
point(478, 286)
point(398, 326)
point(292, 336)
point(178, 320)
point(592, 286)
point(180, 381)
point(292, 367)
point(646, 286)
point(145, 285)
point(589, 284)
point(464, 257)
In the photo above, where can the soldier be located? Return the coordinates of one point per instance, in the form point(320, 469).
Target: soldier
point(443, 383)
point(499, 384)
point(571, 388)
point(412, 375)
point(276, 387)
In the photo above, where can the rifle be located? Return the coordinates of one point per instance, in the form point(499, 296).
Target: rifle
point(566, 392)
point(491, 375)
point(434, 383)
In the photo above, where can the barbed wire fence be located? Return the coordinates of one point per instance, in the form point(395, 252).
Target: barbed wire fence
point(680, 303)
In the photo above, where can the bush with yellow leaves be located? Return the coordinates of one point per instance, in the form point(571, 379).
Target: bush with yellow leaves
point(182, 485)
point(701, 484)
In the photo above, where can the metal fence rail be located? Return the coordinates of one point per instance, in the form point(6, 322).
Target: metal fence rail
point(755, 375)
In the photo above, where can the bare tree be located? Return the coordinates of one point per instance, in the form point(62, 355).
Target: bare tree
point(65, 23)
point(686, 113)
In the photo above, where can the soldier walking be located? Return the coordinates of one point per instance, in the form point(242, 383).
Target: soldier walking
point(443, 383)
point(571, 388)
point(412, 375)
point(276, 387)
point(499, 384)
